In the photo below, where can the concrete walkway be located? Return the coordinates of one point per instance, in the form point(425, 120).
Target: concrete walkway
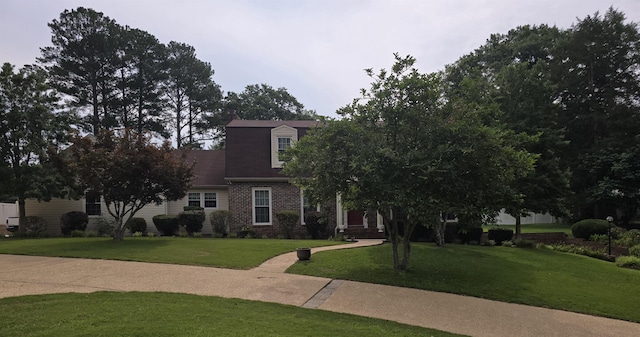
point(23, 275)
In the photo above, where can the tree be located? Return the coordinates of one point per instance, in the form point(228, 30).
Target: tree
point(194, 98)
point(81, 62)
point(514, 71)
point(128, 172)
point(30, 130)
point(600, 98)
point(408, 150)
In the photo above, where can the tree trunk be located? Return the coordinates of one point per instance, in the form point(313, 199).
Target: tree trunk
point(394, 237)
point(441, 226)
point(406, 245)
point(518, 226)
point(22, 214)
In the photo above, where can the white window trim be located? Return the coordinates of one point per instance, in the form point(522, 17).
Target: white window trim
point(282, 131)
point(202, 201)
point(199, 198)
point(302, 207)
point(253, 206)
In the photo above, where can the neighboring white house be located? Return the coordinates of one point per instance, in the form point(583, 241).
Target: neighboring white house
point(506, 219)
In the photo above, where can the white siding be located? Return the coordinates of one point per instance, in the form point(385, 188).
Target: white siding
point(222, 200)
point(52, 210)
point(506, 219)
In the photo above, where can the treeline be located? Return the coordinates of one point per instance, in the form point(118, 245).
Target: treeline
point(122, 77)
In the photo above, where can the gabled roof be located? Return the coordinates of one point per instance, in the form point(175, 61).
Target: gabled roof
point(240, 123)
point(209, 168)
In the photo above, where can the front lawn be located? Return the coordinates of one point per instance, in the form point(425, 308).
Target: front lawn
point(163, 314)
point(537, 228)
point(537, 277)
point(224, 253)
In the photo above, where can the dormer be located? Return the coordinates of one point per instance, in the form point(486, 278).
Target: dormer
point(282, 137)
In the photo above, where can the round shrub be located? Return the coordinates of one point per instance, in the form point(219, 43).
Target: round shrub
point(167, 225)
point(287, 221)
point(74, 220)
point(35, 226)
point(104, 226)
point(583, 229)
point(136, 225)
point(315, 224)
point(192, 221)
point(220, 222)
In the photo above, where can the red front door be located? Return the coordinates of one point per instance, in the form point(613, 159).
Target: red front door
point(354, 218)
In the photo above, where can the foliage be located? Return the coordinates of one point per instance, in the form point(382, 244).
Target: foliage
point(77, 233)
point(524, 244)
point(192, 208)
point(316, 224)
point(581, 250)
point(635, 250)
point(167, 225)
point(246, 232)
point(30, 132)
point(406, 147)
point(136, 225)
point(220, 221)
point(620, 237)
point(191, 221)
point(631, 262)
point(499, 235)
point(73, 220)
point(104, 226)
point(129, 172)
point(287, 221)
point(35, 226)
point(583, 229)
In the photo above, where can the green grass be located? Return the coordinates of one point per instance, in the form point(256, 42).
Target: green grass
point(224, 253)
point(164, 314)
point(537, 228)
point(537, 277)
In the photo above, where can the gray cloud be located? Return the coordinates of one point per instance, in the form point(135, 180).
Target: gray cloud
point(317, 49)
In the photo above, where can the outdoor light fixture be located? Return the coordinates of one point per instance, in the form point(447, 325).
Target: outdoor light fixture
point(609, 220)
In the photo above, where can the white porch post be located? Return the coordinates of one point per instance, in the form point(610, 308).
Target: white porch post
point(379, 222)
point(339, 215)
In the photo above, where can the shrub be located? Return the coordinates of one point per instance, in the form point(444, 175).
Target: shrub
point(315, 224)
point(76, 233)
point(468, 235)
point(499, 235)
point(91, 234)
point(136, 234)
point(136, 225)
point(105, 226)
point(287, 221)
point(192, 208)
point(35, 226)
point(191, 221)
point(73, 220)
point(220, 222)
point(167, 225)
point(580, 250)
point(635, 251)
point(629, 238)
point(585, 228)
point(631, 262)
point(246, 232)
point(524, 244)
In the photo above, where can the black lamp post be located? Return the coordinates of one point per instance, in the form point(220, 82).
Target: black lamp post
point(609, 220)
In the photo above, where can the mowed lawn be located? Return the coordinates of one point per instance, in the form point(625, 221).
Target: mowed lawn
point(224, 253)
point(537, 228)
point(538, 277)
point(163, 314)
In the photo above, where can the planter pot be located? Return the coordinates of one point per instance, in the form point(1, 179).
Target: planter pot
point(304, 254)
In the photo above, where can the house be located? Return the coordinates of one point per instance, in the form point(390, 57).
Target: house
point(245, 179)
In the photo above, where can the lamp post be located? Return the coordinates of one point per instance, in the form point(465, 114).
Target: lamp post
point(609, 220)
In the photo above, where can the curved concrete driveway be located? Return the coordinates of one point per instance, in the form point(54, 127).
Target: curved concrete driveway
point(23, 275)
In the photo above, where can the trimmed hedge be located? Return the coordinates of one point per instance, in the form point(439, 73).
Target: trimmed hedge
point(167, 225)
point(287, 221)
point(499, 235)
point(220, 221)
point(137, 225)
point(35, 226)
point(585, 228)
point(192, 221)
point(74, 220)
point(316, 225)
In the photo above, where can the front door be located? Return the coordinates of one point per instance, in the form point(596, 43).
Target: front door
point(355, 219)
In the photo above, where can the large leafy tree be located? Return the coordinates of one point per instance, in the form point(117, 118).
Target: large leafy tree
point(30, 129)
point(407, 149)
point(129, 172)
point(514, 72)
point(600, 95)
point(263, 102)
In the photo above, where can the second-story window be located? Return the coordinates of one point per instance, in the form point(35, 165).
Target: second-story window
point(283, 144)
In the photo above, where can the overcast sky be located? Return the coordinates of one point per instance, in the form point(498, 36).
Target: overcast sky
point(317, 49)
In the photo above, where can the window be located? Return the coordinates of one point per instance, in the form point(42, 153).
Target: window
point(194, 199)
point(210, 200)
point(92, 203)
point(282, 138)
point(307, 206)
point(262, 206)
point(283, 144)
